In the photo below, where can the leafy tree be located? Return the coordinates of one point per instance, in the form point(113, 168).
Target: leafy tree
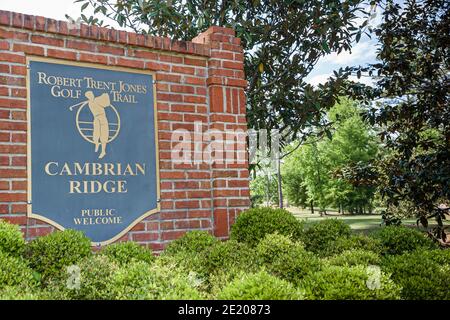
point(317, 164)
point(314, 169)
point(293, 184)
point(263, 190)
point(283, 40)
point(353, 142)
point(413, 110)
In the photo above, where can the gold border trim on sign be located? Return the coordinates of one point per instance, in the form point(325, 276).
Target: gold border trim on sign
point(30, 213)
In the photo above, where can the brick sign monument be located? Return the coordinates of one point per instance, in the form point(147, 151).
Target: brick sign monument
point(120, 135)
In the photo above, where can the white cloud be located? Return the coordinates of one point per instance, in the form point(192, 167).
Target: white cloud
point(318, 79)
point(361, 52)
point(322, 78)
point(368, 81)
point(46, 8)
point(49, 9)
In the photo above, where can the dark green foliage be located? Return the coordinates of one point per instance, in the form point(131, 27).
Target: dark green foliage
point(126, 252)
point(349, 283)
point(11, 239)
point(413, 114)
point(397, 240)
point(254, 224)
point(259, 286)
point(286, 259)
point(420, 275)
point(283, 40)
point(322, 234)
point(50, 254)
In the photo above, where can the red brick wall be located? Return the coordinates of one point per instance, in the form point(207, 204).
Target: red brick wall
point(202, 80)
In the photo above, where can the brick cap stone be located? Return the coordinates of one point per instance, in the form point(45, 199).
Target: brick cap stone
point(38, 23)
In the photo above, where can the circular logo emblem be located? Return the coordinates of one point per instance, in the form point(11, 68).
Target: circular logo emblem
point(86, 126)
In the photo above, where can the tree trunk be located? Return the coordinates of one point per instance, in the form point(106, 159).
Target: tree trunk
point(280, 187)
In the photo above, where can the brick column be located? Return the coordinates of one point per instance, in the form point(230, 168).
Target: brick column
point(226, 83)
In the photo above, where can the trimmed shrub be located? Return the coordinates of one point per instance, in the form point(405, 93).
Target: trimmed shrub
point(420, 276)
point(229, 254)
point(127, 252)
point(49, 254)
point(254, 224)
point(11, 239)
point(223, 262)
point(95, 274)
point(355, 257)
point(14, 271)
point(349, 283)
point(221, 257)
point(286, 259)
point(141, 281)
point(440, 256)
point(259, 286)
point(397, 240)
point(188, 253)
point(318, 237)
point(191, 242)
point(19, 293)
point(356, 241)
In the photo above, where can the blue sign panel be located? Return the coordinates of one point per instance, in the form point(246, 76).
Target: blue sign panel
point(92, 157)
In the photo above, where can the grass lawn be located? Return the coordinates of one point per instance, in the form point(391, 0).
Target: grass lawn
point(359, 223)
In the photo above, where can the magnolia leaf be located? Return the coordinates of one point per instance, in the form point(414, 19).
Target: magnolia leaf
point(261, 67)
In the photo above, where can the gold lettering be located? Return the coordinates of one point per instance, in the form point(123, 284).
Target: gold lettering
point(140, 168)
point(47, 168)
point(74, 187)
point(65, 170)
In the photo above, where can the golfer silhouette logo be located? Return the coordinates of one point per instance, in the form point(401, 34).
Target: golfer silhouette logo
point(92, 122)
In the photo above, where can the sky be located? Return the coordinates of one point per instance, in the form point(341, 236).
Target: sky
point(362, 53)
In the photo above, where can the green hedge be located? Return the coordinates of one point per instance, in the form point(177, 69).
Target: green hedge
point(254, 224)
point(229, 254)
point(286, 259)
point(191, 242)
point(14, 271)
point(266, 263)
point(11, 239)
point(355, 257)
point(349, 283)
point(259, 286)
point(319, 236)
point(95, 275)
point(397, 240)
point(50, 254)
point(20, 293)
point(127, 252)
point(141, 281)
point(356, 241)
point(420, 274)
